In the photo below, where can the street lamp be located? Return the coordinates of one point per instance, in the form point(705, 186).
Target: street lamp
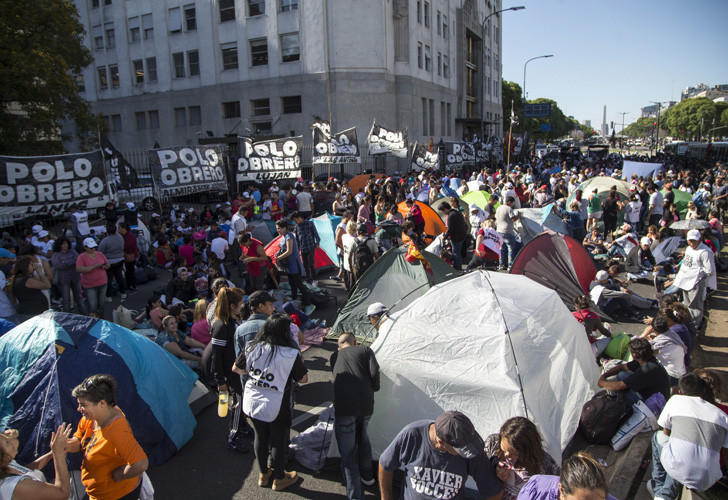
point(482, 63)
point(621, 132)
point(524, 87)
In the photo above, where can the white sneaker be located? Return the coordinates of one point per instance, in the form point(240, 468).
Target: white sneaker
point(314, 283)
point(123, 296)
point(108, 299)
point(367, 482)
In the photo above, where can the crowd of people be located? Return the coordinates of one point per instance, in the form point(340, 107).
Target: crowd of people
point(218, 314)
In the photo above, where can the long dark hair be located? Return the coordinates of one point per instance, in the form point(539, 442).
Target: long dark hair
point(276, 332)
point(523, 435)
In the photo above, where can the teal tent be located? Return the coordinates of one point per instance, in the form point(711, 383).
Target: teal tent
point(326, 228)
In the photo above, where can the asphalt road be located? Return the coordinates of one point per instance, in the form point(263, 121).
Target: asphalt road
point(206, 469)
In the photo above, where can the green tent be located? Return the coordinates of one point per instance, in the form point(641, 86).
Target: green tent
point(603, 185)
point(682, 198)
point(463, 207)
point(392, 281)
point(480, 198)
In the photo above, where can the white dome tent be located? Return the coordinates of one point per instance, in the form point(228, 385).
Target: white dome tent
point(490, 345)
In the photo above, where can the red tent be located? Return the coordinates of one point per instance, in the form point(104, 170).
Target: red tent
point(320, 258)
point(557, 262)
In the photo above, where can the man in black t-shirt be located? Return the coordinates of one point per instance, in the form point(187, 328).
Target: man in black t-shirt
point(356, 379)
point(640, 378)
point(457, 231)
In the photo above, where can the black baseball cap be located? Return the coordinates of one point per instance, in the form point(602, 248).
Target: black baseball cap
point(259, 297)
point(458, 431)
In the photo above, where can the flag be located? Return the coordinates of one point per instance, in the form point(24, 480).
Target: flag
point(322, 126)
point(124, 174)
point(413, 255)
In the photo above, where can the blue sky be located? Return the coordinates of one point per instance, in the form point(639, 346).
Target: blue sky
point(620, 53)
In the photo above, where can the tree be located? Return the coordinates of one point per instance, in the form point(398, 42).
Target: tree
point(40, 52)
point(511, 92)
point(642, 127)
point(691, 117)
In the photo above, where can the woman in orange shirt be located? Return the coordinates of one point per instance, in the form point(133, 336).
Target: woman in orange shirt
point(113, 461)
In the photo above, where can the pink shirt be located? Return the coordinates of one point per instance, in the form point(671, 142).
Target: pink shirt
point(201, 331)
point(188, 252)
point(94, 278)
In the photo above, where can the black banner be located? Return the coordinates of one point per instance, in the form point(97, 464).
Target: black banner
point(182, 170)
point(269, 160)
point(124, 175)
point(51, 184)
point(423, 159)
point(382, 140)
point(343, 147)
point(459, 154)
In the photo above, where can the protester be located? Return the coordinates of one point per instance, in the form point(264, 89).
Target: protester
point(187, 349)
point(356, 379)
point(112, 247)
point(69, 281)
point(308, 241)
point(181, 287)
point(581, 478)
point(28, 281)
point(293, 267)
point(640, 378)
point(113, 461)
point(505, 216)
point(131, 254)
point(457, 232)
point(592, 323)
point(200, 330)
point(255, 260)
point(696, 270)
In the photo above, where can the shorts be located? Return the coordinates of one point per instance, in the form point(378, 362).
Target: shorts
point(595, 215)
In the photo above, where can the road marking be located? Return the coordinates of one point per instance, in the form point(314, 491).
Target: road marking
point(313, 412)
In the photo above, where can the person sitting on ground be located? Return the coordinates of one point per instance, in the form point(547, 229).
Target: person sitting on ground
point(164, 253)
point(640, 378)
point(592, 323)
point(488, 243)
point(28, 283)
point(581, 478)
point(687, 451)
point(594, 242)
point(181, 287)
point(155, 311)
point(669, 348)
point(518, 450)
point(187, 349)
point(640, 261)
point(623, 244)
point(609, 296)
point(200, 330)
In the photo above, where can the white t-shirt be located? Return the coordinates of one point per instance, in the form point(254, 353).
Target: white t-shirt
point(347, 241)
point(698, 431)
point(238, 224)
point(656, 201)
point(265, 213)
point(632, 211)
point(696, 265)
point(218, 246)
point(305, 201)
point(81, 218)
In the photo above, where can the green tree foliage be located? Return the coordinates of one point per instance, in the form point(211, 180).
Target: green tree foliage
point(560, 124)
point(690, 117)
point(40, 52)
point(511, 92)
point(642, 127)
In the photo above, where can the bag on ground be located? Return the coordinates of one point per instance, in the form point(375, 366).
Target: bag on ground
point(617, 347)
point(602, 415)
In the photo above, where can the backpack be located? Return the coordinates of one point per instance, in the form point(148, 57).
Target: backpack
point(602, 415)
point(361, 257)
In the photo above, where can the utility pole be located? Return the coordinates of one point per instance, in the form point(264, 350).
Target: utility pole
point(621, 132)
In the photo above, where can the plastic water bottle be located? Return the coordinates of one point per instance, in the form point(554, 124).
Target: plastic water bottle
point(222, 404)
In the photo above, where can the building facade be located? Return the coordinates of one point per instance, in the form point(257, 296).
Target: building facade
point(175, 71)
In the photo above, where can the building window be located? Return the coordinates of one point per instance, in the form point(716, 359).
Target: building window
point(98, 34)
point(428, 59)
point(287, 5)
point(190, 17)
point(114, 70)
point(229, 56)
point(445, 67)
point(151, 69)
point(263, 127)
point(443, 121)
point(256, 7)
point(419, 11)
point(110, 37)
point(231, 109)
point(427, 14)
point(148, 27)
point(153, 119)
point(439, 24)
point(424, 116)
point(290, 48)
point(178, 59)
point(138, 71)
point(80, 83)
point(259, 52)
point(134, 33)
point(432, 117)
point(175, 20)
point(487, 86)
point(419, 55)
point(291, 104)
point(180, 117)
point(449, 121)
point(439, 64)
point(94, 4)
point(195, 115)
point(193, 63)
point(227, 10)
point(103, 80)
point(445, 32)
point(141, 120)
point(260, 107)
point(116, 123)
point(495, 88)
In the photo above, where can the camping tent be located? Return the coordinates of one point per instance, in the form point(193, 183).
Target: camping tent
point(682, 198)
point(558, 262)
point(320, 258)
point(433, 222)
point(664, 250)
point(360, 181)
point(326, 228)
point(535, 221)
point(392, 281)
point(463, 207)
point(640, 169)
point(474, 185)
point(261, 231)
point(491, 345)
point(602, 184)
point(480, 198)
point(43, 359)
point(323, 201)
point(423, 195)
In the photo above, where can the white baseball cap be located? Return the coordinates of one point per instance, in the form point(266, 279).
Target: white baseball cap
point(602, 275)
point(37, 228)
point(646, 241)
point(376, 309)
point(90, 243)
point(693, 234)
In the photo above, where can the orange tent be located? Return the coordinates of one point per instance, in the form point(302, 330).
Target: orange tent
point(433, 222)
point(360, 181)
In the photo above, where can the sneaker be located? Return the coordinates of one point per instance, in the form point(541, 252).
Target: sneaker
point(367, 482)
point(314, 283)
point(650, 488)
point(238, 445)
point(123, 296)
point(131, 290)
point(108, 299)
point(288, 479)
point(337, 278)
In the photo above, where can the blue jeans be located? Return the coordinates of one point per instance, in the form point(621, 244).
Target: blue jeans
point(665, 486)
point(356, 453)
point(629, 393)
point(509, 249)
point(457, 254)
point(77, 297)
point(95, 297)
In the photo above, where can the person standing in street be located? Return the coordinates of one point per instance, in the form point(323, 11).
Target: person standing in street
point(505, 216)
point(112, 246)
point(457, 231)
point(308, 241)
point(697, 270)
point(356, 379)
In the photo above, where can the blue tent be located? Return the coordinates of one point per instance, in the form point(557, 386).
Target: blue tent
point(43, 359)
point(423, 195)
point(535, 221)
point(326, 228)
